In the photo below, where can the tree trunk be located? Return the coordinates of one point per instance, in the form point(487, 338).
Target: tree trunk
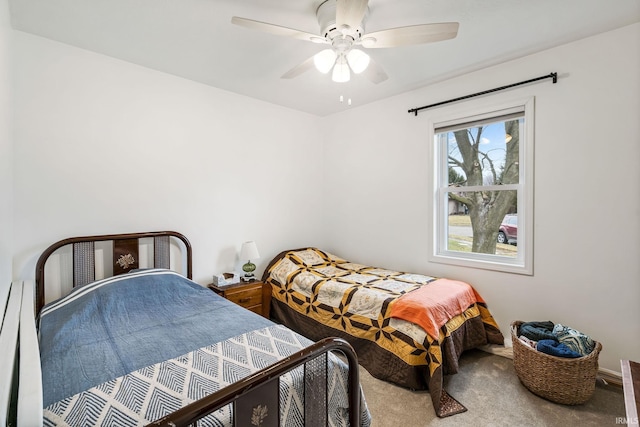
point(487, 208)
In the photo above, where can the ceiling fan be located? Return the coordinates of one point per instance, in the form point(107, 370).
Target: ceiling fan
point(342, 26)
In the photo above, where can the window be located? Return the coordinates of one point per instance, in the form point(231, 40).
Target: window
point(483, 179)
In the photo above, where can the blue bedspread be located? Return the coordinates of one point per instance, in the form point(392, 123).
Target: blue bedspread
point(115, 326)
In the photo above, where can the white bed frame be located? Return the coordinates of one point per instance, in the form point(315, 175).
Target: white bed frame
point(19, 337)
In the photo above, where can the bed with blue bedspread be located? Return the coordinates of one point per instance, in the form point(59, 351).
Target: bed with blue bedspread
point(134, 348)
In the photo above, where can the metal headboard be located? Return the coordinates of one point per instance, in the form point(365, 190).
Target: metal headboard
point(125, 256)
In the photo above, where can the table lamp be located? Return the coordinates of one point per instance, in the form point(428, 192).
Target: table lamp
point(249, 251)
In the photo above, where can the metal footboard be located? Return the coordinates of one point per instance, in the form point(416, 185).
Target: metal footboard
point(251, 391)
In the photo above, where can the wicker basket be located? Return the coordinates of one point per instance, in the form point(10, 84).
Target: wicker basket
point(558, 379)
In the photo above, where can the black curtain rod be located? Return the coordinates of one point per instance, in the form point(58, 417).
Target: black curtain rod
point(553, 76)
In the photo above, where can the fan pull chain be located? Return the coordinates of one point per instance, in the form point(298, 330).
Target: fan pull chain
point(348, 100)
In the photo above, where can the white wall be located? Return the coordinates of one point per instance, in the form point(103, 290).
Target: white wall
point(587, 189)
point(6, 149)
point(104, 146)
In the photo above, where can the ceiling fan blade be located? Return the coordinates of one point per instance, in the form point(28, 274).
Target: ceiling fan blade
point(299, 69)
point(350, 12)
point(415, 34)
point(375, 73)
point(277, 29)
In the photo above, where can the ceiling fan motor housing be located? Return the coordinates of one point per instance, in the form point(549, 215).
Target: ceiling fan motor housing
point(340, 38)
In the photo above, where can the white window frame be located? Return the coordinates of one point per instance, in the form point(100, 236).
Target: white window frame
point(473, 111)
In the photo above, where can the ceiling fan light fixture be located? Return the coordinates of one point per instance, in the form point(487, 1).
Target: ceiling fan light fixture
point(358, 60)
point(341, 72)
point(342, 26)
point(324, 60)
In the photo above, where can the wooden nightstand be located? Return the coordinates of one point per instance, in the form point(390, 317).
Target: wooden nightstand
point(254, 296)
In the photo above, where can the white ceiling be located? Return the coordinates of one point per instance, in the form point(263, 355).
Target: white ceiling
point(195, 39)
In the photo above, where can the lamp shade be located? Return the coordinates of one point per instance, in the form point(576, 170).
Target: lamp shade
point(249, 251)
point(358, 60)
point(324, 60)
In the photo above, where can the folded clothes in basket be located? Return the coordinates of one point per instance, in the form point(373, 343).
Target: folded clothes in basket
point(555, 348)
point(575, 340)
point(527, 341)
point(537, 331)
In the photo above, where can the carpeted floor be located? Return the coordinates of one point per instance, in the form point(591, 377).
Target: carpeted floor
point(489, 388)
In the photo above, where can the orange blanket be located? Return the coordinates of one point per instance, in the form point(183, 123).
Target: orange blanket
point(432, 305)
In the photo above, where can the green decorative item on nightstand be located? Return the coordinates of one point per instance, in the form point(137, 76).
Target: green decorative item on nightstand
point(249, 251)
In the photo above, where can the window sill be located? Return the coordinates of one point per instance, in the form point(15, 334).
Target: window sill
point(488, 262)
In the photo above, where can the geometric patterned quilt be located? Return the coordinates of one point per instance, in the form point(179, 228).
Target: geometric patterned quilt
point(356, 299)
point(155, 391)
point(351, 297)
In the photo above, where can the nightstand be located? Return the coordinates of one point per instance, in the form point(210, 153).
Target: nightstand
point(254, 296)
